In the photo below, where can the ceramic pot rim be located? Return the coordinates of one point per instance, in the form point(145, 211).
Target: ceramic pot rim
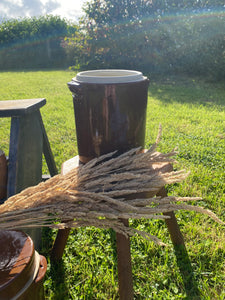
point(107, 76)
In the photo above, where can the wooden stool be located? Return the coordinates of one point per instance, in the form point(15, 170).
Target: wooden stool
point(123, 244)
point(28, 140)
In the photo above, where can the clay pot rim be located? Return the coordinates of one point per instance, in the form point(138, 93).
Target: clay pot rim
point(107, 76)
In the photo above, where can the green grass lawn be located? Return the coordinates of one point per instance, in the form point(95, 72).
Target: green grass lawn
point(192, 114)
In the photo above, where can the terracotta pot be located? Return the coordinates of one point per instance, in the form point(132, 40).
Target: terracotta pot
point(22, 269)
point(110, 111)
point(3, 175)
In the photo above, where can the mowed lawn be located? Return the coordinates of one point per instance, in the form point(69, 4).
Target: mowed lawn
point(192, 114)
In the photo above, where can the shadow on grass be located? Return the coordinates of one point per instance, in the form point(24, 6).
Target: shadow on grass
point(187, 273)
point(59, 286)
point(56, 270)
point(187, 90)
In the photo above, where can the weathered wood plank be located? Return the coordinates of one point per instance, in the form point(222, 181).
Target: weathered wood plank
point(11, 108)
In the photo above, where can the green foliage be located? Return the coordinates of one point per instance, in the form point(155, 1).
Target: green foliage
point(153, 36)
point(110, 29)
point(167, 36)
point(33, 42)
point(12, 31)
point(200, 45)
point(76, 48)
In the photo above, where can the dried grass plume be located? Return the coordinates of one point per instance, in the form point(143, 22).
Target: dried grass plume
point(101, 193)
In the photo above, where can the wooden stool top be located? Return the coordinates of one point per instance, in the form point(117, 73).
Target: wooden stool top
point(13, 108)
point(74, 162)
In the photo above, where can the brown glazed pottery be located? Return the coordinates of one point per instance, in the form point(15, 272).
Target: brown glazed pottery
point(22, 269)
point(110, 111)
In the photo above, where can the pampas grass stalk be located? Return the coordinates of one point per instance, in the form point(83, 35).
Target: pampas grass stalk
point(101, 193)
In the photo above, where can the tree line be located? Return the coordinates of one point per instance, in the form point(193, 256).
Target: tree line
point(154, 36)
point(33, 42)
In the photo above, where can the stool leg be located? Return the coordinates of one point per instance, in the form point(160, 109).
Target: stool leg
point(125, 278)
point(59, 244)
point(25, 153)
point(47, 150)
point(123, 260)
point(183, 261)
point(172, 225)
point(25, 160)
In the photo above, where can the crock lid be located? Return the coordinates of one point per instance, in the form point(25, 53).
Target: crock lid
point(109, 76)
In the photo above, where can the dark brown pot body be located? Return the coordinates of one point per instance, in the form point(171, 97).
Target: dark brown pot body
point(22, 269)
point(109, 117)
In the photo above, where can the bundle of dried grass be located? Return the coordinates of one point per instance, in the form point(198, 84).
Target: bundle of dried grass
point(100, 194)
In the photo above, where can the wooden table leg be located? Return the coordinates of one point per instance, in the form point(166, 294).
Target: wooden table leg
point(62, 234)
point(59, 244)
point(124, 266)
point(172, 225)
